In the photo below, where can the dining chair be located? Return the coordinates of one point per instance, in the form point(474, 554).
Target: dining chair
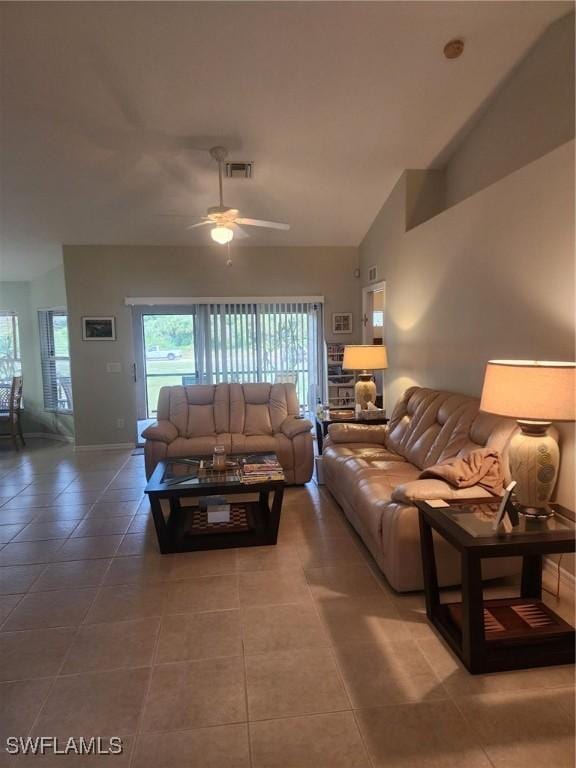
point(10, 411)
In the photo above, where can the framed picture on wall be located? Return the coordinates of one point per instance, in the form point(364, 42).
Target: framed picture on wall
point(99, 328)
point(342, 322)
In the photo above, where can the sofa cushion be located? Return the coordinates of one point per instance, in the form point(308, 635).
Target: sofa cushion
point(178, 409)
point(200, 420)
point(428, 426)
point(282, 403)
point(200, 394)
point(367, 450)
point(162, 431)
point(257, 420)
point(198, 446)
point(357, 433)
point(254, 443)
point(372, 493)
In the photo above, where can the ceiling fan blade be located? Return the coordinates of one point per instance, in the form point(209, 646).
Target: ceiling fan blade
point(199, 224)
point(240, 233)
point(262, 223)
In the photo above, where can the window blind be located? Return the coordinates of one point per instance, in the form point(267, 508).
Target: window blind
point(55, 359)
point(250, 342)
point(10, 362)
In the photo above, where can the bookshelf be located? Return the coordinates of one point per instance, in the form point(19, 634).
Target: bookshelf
point(340, 383)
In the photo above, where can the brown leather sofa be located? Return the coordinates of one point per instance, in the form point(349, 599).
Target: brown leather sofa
point(245, 418)
point(373, 473)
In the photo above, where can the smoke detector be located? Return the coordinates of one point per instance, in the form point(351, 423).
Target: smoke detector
point(239, 170)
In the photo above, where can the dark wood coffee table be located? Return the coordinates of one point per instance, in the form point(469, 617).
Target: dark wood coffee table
point(509, 633)
point(184, 528)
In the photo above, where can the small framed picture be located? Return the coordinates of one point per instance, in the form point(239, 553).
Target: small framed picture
point(342, 322)
point(346, 394)
point(506, 508)
point(99, 328)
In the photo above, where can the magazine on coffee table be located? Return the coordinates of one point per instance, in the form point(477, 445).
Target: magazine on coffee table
point(256, 469)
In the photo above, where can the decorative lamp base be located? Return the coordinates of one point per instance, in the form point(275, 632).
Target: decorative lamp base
point(534, 460)
point(541, 513)
point(364, 390)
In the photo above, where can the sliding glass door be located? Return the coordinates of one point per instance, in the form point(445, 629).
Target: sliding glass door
point(227, 342)
point(165, 353)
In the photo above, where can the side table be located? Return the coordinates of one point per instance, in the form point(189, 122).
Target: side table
point(509, 633)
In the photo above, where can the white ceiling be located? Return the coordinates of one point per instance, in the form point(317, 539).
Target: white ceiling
point(330, 100)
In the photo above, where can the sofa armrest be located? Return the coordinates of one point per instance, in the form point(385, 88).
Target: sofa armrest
point(161, 431)
point(291, 426)
point(358, 433)
point(420, 490)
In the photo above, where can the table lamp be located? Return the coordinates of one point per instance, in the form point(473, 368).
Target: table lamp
point(365, 358)
point(535, 394)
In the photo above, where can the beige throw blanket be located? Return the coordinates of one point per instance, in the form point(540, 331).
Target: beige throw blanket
point(481, 467)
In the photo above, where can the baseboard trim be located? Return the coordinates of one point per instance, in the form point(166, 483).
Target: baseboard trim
point(567, 579)
point(106, 447)
point(50, 436)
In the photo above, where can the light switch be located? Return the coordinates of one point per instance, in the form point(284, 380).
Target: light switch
point(114, 367)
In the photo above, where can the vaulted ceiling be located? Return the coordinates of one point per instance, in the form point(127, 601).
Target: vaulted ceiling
point(108, 110)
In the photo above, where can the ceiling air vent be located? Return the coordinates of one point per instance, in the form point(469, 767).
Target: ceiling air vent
point(239, 170)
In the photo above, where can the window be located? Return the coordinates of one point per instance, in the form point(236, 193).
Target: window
point(378, 318)
point(55, 356)
point(231, 342)
point(10, 363)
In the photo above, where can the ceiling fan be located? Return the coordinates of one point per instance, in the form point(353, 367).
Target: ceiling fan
point(226, 221)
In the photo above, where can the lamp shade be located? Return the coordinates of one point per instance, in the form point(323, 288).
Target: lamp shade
point(526, 389)
point(365, 357)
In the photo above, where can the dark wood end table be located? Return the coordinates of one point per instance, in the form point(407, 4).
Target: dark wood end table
point(341, 416)
point(184, 529)
point(503, 634)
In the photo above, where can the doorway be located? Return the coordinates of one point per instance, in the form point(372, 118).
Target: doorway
point(165, 354)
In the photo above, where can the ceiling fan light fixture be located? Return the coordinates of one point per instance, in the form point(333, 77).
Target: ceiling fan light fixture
point(221, 235)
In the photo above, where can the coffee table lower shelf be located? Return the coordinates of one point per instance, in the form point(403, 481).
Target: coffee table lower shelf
point(186, 529)
point(189, 530)
point(518, 633)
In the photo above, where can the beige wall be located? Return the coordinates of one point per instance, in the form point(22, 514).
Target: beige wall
point(530, 114)
point(99, 278)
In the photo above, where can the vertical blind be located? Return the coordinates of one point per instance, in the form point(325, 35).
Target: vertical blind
point(55, 359)
point(249, 342)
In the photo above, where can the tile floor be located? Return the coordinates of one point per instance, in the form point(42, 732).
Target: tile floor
point(297, 656)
